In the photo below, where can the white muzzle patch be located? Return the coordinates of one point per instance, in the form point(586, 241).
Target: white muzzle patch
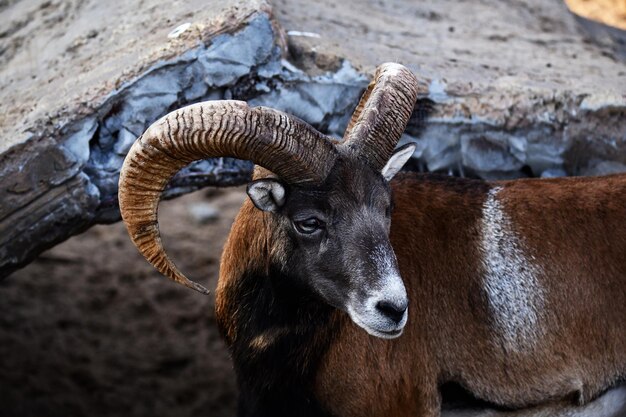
point(383, 312)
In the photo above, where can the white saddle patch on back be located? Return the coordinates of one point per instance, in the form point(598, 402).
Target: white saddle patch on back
point(511, 280)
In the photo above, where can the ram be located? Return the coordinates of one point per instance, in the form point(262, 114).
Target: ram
point(515, 290)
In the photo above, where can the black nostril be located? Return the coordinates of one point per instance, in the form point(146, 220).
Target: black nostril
point(395, 311)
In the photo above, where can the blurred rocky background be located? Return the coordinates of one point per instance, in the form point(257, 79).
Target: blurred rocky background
point(509, 89)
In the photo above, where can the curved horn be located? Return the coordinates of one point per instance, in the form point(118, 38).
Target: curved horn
point(382, 114)
point(281, 143)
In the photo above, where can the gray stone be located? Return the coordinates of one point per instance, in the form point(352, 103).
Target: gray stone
point(325, 101)
point(604, 168)
point(488, 153)
point(224, 64)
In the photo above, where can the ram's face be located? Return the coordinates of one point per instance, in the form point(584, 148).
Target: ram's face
point(337, 243)
point(333, 238)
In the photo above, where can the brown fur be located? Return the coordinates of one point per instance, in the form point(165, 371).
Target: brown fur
point(574, 228)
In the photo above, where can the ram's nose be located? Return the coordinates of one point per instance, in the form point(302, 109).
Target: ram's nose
point(394, 310)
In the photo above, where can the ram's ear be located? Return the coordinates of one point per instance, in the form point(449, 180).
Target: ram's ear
point(267, 194)
point(397, 160)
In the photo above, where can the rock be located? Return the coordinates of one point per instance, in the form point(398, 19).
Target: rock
point(518, 81)
point(61, 154)
point(78, 107)
point(604, 168)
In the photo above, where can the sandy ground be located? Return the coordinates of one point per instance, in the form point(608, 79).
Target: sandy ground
point(90, 328)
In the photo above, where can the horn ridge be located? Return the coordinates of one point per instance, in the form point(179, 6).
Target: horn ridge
point(382, 114)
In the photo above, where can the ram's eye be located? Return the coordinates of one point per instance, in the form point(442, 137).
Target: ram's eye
point(308, 226)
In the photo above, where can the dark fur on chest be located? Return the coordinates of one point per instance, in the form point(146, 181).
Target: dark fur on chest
point(282, 334)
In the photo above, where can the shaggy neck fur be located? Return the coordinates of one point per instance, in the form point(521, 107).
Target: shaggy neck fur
point(276, 331)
